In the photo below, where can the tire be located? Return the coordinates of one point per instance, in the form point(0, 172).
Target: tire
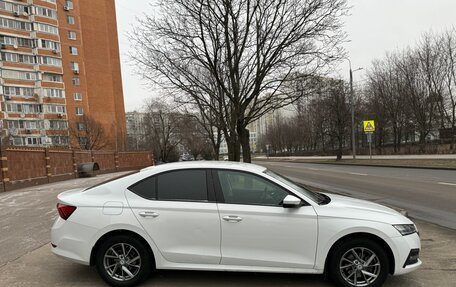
point(345, 267)
point(123, 261)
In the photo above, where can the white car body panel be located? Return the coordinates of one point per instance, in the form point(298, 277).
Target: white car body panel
point(209, 242)
point(185, 232)
point(249, 242)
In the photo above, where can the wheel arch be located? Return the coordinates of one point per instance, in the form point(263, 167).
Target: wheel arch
point(363, 235)
point(121, 232)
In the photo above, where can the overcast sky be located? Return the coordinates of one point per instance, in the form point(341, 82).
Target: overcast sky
point(374, 28)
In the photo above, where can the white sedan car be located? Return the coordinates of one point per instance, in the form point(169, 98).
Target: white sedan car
point(229, 216)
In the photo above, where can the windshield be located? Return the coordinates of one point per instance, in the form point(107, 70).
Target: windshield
point(316, 197)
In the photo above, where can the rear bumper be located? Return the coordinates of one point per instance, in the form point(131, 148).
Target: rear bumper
point(72, 241)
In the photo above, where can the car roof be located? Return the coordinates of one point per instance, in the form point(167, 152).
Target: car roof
point(205, 164)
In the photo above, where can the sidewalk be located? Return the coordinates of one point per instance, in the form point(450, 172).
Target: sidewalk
point(409, 156)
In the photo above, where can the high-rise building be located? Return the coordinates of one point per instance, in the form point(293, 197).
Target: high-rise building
point(60, 64)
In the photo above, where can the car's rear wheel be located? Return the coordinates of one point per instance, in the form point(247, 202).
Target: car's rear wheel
point(123, 261)
point(359, 263)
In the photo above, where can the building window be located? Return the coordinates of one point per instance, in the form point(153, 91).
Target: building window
point(77, 96)
point(23, 108)
point(17, 141)
point(51, 45)
point(13, 41)
point(18, 58)
point(52, 78)
point(21, 124)
point(73, 50)
point(79, 111)
point(45, 28)
point(55, 109)
point(72, 35)
point(75, 67)
point(46, 12)
point(82, 141)
point(18, 75)
point(59, 140)
point(70, 20)
point(33, 141)
point(51, 61)
point(14, 24)
point(10, 7)
point(54, 93)
point(18, 91)
point(58, 125)
point(76, 81)
point(81, 127)
point(69, 4)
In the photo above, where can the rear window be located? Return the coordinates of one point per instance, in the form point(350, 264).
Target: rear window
point(111, 179)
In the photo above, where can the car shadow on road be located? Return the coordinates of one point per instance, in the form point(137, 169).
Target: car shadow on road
point(230, 279)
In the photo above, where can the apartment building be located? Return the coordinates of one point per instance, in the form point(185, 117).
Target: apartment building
point(59, 61)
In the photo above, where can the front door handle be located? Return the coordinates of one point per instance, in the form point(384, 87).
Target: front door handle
point(148, 214)
point(232, 218)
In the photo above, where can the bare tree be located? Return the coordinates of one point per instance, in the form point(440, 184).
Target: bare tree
point(386, 85)
point(249, 50)
point(448, 49)
point(162, 124)
point(195, 138)
point(88, 133)
point(337, 113)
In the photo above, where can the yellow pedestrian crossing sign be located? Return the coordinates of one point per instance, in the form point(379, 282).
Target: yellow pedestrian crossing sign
point(369, 126)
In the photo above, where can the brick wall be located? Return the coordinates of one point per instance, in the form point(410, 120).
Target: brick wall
point(132, 159)
point(26, 163)
point(61, 162)
point(105, 160)
point(22, 167)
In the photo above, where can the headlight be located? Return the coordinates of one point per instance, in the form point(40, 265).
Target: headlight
point(405, 229)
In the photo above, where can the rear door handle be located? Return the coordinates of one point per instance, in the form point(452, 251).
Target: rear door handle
point(148, 214)
point(232, 218)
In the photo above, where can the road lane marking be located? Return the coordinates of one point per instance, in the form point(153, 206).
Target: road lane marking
point(447, 183)
point(356, 173)
point(311, 168)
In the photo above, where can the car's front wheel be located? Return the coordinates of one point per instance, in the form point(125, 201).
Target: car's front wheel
point(358, 263)
point(123, 261)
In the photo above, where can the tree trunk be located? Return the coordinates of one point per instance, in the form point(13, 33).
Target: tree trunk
point(453, 131)
point(244, 137)
point(339, 150)
point(234, 149)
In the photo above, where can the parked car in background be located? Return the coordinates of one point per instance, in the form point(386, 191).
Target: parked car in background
point(229, 216)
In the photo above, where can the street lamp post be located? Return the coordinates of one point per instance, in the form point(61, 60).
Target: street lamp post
point(352, 95)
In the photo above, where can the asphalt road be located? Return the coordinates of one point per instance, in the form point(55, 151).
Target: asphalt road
point(426, 194)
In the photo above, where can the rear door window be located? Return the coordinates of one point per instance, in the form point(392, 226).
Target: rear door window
point(183, 185)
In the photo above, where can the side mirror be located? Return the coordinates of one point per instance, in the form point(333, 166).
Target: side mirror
point(291, 201)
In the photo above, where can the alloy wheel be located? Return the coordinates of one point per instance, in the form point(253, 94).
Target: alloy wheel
point(359, 266)
point(122, 261)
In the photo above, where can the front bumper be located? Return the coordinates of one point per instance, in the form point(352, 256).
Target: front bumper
point(404, 245)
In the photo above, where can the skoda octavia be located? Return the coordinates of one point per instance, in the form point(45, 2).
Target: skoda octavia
point(229, 216)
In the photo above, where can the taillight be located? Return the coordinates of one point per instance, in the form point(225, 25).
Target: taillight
point(65, 210)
